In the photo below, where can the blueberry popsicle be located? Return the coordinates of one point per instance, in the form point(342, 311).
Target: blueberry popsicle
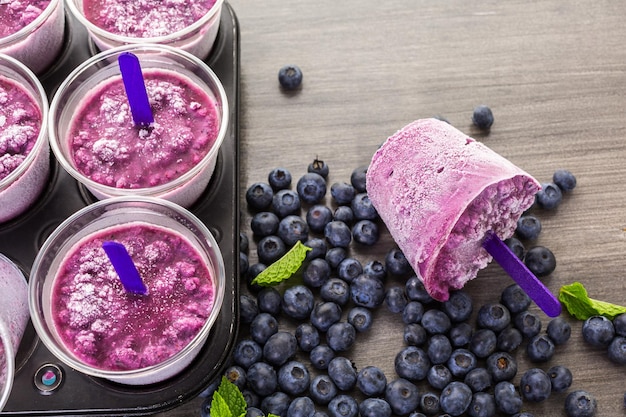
point(440, 193)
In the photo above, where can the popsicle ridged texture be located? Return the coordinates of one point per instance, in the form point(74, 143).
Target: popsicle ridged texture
point(439, 192)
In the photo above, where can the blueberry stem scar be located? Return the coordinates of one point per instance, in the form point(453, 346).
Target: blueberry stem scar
point(135, 89)
point(520, 273)
point(125, 267)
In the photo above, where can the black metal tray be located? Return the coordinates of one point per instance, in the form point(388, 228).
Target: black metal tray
point(75, 393)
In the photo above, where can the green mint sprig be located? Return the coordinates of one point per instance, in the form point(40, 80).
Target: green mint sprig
point(575, 298)
point(283, 268)
point(228, 401)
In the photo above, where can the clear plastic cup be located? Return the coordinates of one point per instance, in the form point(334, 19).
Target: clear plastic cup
point(14, 316)
point(40, 42)
point(52, 316)
point(20, 189)
point(102, 70)
point(197, 38)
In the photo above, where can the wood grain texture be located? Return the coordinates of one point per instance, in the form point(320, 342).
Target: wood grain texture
point(554, 74)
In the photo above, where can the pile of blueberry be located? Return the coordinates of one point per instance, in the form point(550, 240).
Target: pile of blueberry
point(450, 365)
point(603, 333)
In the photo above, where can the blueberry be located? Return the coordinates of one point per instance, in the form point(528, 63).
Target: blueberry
point(324, 315)
point(318, 248)
point(338, 234)
point(540, 260)
point(483, 343)
point(416, 291)
point(436, 322)
point(343, 406)
point(540, 349)
point(290, 77)
point(559, 330)
point(560, 378)
point(580, 403)
point(439, 376)
point(334, 256)
point(396, 299)
point(286, 202)
point(493, 316)
point(344, 214)
point(461, 362)
point(259, 196)
point(460, 334)
point(508, 399)
point(598, 331)
point(366, 291)
point(279, 348)
point(396, 263)
point(413, 312)
point(375, 269)
point(342, 193)
point(293, 378)
point(371, 381)
point(402, 395)
point(619, 323)
point(262, 378)
point(550, 196)
point(528, 324)
point(246, 353)
point(205, 407)
point(374, 407)
point(297, 302)
point(321, 356)
point(459, 306)
point(478, 379)
point(244, 263)
point(307, 337)
point(322, 389)
point(455, 398)
point(318, 167)
point(301, 407)
point(509, 339)
point(564, 179)
point(349, 269)
point(414, 334)
point(262, 327)
point(316, 273)
point(276, 403)
point(248, 308)
point(269, 300)
point(244, 243)
point(501, 366)
point(482, 117)
point(311, 188)
point(363, 208)
point(483, 405)
point(360, 318)
point(528, 227)
point(252, 411)
point(617, 350)
point(515, 299)
point(439, 349)
point(335, 290)
point(341, 336)
point(429, 403)
point(210, 389)
point(251, 273)
point(317, 217)
point(365, 232)
point(535, 385)
point(270, 249)
point(412, 363)
point(516, 246)
point(237, 375)
point(293, 228)
point(279, 179)
point(343, 373)
point(320, 413)
point(357, 178)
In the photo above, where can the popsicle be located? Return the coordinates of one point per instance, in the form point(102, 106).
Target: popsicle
point(441, 194)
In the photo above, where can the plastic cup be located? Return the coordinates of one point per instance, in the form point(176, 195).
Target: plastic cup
point(20, 188)
point(54, 317)
point(38, 43)
point(102, 70)
point(14, 316)
point(197, 38)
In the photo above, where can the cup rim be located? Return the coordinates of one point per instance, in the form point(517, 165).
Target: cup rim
point(41, 99)
point(160, 189)
point(219, 276)
point(28, 29)
point(98, 31)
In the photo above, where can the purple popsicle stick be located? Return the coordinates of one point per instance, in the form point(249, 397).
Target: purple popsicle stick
point(520, 273)
point(125, 268)
point(135, 89)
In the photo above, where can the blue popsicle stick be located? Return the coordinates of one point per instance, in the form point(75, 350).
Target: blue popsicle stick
point(520, 273)
point(135, 89)
point(125, 267)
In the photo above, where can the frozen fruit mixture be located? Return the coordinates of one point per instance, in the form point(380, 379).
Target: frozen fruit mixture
point(145, 18)
point(111, 329)
point(109, 149)
point(17, 14)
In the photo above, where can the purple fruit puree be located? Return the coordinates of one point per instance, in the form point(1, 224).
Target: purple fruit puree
point(20, 122)
point(111, 329)
point(107, 148)
point(16, 14)
point(145, 18)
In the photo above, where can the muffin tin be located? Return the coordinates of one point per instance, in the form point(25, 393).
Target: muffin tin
point(43, 386)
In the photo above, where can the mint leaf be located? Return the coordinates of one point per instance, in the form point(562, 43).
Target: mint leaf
point(575, 298)
point(228, 401)
point(283, 268)
point(219, 408)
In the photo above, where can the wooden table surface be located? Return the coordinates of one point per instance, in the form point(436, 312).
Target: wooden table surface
point(554, 74)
